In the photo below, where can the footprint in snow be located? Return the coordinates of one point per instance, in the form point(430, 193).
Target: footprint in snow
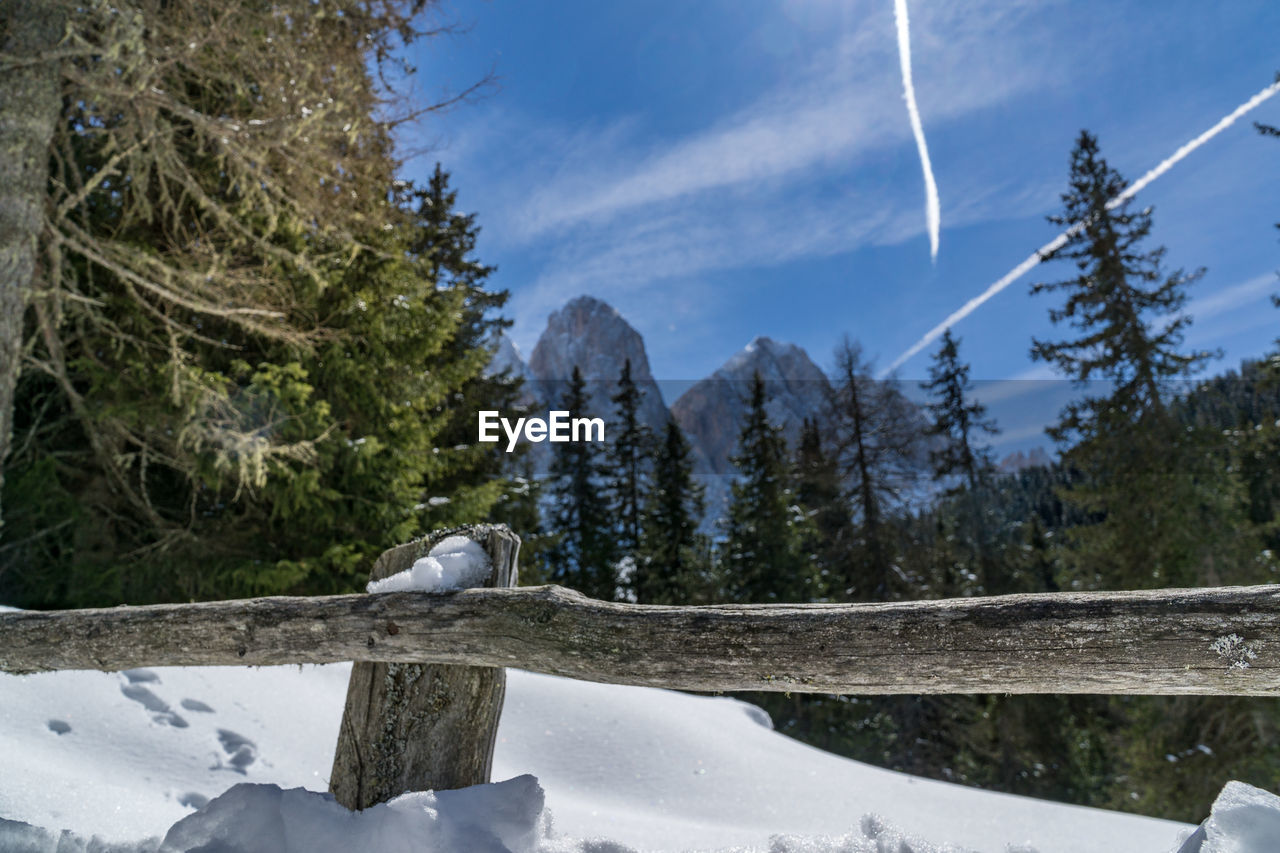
point(241, 751)
point(160, 711)
point(140, 676)
point(196, 705)
point(59, 727)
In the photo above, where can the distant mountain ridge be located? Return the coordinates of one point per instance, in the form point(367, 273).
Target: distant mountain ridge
point(711, 412)
point(590, 334)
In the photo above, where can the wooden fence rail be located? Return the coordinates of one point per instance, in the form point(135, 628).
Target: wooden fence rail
point(426, 689)
point(1202, 641)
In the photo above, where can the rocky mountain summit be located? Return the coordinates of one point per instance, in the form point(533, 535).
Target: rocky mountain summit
point(592, 336)
point(712, 411)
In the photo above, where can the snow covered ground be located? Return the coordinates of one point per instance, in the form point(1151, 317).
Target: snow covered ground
point(126, 755)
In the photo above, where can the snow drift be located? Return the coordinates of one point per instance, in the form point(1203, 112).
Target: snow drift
point(230, 759)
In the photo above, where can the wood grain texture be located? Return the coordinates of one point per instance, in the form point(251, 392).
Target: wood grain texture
point(421, 726)
point(1205, 641)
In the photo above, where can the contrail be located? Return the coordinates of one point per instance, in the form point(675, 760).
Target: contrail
point(1057, 242)
point(932, 209)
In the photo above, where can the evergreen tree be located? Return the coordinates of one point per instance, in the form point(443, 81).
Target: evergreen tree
point(672, 560)
point(1273, 363)
point(292, 477)
point(762, 560)
point(1113, 302)
point(1163, 499)
point(828, 535)
point(585, 550)
point(180, 175)
point(957, 419)
point(445, 242)
point(520, 509)
point(627, 461)
point(1166, 503)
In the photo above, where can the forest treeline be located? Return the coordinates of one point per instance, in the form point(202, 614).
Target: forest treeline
point(1163, 478)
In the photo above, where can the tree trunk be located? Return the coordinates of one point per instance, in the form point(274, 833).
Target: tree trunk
point(418, 726)
point(29, 108)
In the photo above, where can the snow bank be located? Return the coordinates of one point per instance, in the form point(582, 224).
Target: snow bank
point(456, 562)
point(1244, 819)
point(511, 817)
point(506, 817)
point(127, 756)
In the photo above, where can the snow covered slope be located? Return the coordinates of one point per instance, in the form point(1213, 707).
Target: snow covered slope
point(124, 756)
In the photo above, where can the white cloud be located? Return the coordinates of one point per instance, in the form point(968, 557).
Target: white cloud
point(825, 118)
point(1254, 290)
point(815, 165)
point(1022, 434)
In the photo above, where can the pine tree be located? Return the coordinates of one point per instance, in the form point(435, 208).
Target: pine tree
point(828, 535)
point(1161, 495)
point(1273, 363)
point(1114, 303)
point(179, 176)
point(445, 244)
point(585, 551)
point(234, 358)
point(231, 512)
point(762, 560)
point(957, 419)
point(520, 508)
point(671, 562)
point(627, 462)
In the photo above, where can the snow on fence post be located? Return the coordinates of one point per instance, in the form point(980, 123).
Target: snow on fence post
point(418, 727)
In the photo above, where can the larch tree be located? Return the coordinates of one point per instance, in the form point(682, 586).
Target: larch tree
point(876, 433)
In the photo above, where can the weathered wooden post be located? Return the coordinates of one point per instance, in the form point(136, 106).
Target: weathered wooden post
point(414, 727)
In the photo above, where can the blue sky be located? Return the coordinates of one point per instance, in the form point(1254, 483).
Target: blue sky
point(720, 170)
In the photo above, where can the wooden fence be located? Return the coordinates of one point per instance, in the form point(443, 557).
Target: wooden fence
point(427, 685)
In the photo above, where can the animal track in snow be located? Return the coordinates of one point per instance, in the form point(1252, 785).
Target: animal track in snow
point(59, 727)
point(240, 750)
point(140, 676)
point(160, 710)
